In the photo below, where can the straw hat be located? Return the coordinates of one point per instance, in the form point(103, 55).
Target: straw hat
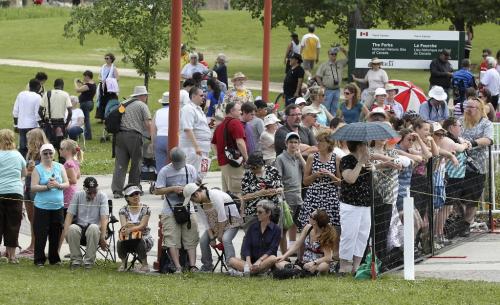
point(165, 98)
point(376, 61)
point(139, 90)
point(238, 75)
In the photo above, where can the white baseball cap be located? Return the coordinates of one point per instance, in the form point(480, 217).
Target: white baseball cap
point(188, 191)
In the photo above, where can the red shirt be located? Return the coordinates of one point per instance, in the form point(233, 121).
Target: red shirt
point(235, 131)
point(483, 66)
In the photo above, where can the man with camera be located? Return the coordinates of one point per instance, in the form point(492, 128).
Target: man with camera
point(329, 76)
point(179, 225)
point(195, 134)
point(86, 223)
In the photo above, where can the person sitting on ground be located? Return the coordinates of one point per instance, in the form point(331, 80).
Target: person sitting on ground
point(260, 244)
point(222, 221)
point(86, 220)
point(319, 241)
point(134, 217)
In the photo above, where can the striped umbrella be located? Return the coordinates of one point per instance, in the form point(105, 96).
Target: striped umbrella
point(409, 95)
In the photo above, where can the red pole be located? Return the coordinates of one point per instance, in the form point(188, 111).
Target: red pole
point(175, 88)
point(267, 49)
point(175, 73)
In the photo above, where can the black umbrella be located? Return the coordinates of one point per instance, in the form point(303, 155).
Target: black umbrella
point(364, 132)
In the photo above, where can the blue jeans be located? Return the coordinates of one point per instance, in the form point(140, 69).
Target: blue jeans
point(206, 251)
point(161, 152)
point(87, 108)
point(331, 101)
point(74, 132)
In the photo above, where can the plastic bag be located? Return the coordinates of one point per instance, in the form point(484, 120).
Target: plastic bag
point(365, 270)
point(287, 216)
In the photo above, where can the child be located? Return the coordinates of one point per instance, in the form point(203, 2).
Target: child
point(267, 138)
point(290, 165)
point(71, 152)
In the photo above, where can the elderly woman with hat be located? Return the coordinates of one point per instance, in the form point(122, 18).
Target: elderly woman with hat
point(239, 93)
point(394, 106)
point(48, 182)
point(75, 127)
point(159, 135)
point(266, 140)
point(435, 109)
point(192, 67)
point(376, 77)
point(134, 217)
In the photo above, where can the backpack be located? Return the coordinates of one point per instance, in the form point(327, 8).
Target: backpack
point(114, 119)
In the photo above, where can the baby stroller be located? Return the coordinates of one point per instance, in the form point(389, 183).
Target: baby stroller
point(148, 168)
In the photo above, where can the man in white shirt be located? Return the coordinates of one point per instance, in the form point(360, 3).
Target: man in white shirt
point(53, 109)
point(192, 67)
point(25, 113)
point(186, 87)
point(491, 81)
point(195, 134)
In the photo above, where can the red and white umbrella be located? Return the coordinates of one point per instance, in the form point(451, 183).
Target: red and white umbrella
point(409, 95)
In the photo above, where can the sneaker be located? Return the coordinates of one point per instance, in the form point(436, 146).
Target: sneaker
point(193, 269)
point(236, 273)
point(445, 241)
point(121, 268)
point(117, 195)
point(178, 271)
point(40, 265)
point(74, 266)
point(67, 255)
point(206, 269)
point(88, 266)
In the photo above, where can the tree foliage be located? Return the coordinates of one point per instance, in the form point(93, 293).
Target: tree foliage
point(141, 27)
point(348, 14)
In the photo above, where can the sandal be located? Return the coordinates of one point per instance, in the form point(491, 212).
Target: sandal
point(121, 268)
point(13, 261)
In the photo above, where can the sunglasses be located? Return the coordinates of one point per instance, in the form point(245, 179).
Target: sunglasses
point(347, 93)
point(48, 153)
point(135, 194)
point(107, 58)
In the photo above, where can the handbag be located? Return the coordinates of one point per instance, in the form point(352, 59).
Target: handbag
point(131, 236)
point(233, 155)
point(471, 165)
point(287, 215)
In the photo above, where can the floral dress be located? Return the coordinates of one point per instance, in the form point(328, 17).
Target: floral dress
point(270, 179)
point(321, 193)
point(146, 233)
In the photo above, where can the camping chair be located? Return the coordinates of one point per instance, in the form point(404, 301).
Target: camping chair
point(221, 257)
point(82, 137)
point(131, 245)
point(110, 253)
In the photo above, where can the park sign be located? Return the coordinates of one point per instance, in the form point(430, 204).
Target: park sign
point(401, 49)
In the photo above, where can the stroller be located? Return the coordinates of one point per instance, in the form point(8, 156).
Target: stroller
point(148, 168)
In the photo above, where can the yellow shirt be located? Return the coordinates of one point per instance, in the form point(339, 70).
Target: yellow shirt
point(310, 44)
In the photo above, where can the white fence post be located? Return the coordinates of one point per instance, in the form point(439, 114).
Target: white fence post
point(409, 238)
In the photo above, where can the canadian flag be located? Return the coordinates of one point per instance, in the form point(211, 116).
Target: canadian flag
point(363, 34)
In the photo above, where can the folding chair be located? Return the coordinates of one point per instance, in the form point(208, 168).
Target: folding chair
point(110, 253)
point(131, 245)
point(221, 257)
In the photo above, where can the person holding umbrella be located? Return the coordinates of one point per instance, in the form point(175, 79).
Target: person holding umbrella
point(356, 194)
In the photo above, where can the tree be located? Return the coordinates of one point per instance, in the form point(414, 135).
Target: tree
point(141, 27)
point(464, 12)
point(346, 14)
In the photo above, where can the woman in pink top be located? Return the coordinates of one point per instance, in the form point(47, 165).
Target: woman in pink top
point(71, 152)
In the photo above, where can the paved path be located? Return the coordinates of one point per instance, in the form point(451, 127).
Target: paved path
point(251, 84)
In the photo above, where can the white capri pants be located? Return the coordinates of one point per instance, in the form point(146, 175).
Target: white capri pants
point(355, 222)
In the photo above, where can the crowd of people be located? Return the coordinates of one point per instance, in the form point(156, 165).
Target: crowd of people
point(273, 166)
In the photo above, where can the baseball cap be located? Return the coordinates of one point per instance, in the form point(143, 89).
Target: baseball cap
point(380, 91)
point(178, 158)
point(300, 100)
point(47, 146)
point(90, 182)
point(292, 135)
point(188, 191)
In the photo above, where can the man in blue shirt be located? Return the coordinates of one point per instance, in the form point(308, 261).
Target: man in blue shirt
point(260, 244)
point(462, 80)
point(435, 109)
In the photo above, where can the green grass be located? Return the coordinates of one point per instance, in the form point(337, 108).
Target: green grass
point(28, 34)
point(26, 284)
